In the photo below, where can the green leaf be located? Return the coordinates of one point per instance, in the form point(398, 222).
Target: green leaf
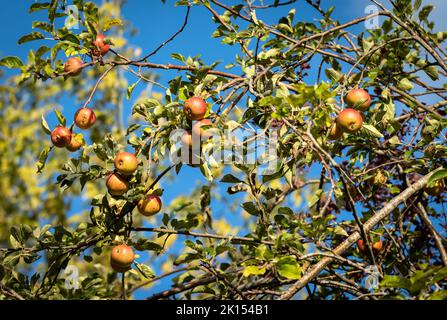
point(45, 26)
point(71, 39)
point(425, 12)
point(45, 125)
point(12, 259)
point(372, 130)
point(31, 37)
point(11, 62)
point(60, 118)
point(43, 159)
point(441, 174)
point(288, 268)
point(39, 6)
point(405, 84)
point(185, 258)
point(440, 295)
point(417, 4)
point(333, 74)
point(250, 208)
point(178, 56)
point(432, 72)
point(112, 23)
point(229, 178)
point(131, 88)
point(14, 243)
point(340, 231)
point(253, 270)
point(394, 140)
point(145, 270)
point(395, 282)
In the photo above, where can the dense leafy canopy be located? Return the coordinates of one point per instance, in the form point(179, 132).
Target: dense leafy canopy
point(303, 203)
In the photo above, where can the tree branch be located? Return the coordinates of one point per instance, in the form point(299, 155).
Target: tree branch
point(345, 245)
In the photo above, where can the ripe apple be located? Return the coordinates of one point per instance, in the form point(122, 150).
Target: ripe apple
point(435, 189)
point(377, 246)
point(126, 163)
point(199, 131)
point(75, 143)
point(73, 66)
point(101, 48)
point(117, 185)
point(335, 133)
point(121, 258)
point(350, 120)
point(61, 137)
point(149, 205)
point(85, 118)
point(187, 139)
point(195, 108)
point(358, 99)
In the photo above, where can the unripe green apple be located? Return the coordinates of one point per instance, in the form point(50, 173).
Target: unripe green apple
point(350, 120)
point(195, 108)
point(117, 185)
point(73, 66)
point(126, 163)
point(358, 99)
point(121, 258)
point(85, 118)
point(149, 205)
point(61, 137)
point(101, 48)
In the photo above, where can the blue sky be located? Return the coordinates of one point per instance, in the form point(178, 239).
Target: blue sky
point(156, 22)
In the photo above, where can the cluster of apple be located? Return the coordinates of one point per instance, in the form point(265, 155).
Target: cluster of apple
point(74, 65)
point(122, 256)
point(63, 137)
point(126, 163)
point(376, 246)
point(350, 120)
point(117, 183)
point(195, 109)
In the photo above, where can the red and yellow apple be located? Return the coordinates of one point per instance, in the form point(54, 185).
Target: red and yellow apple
point(85, 118)
point(126, 163)
point(101, 48)
point(61, 137)
point(75, 143)
point(121, 258)
point(149, 205)
point(358, 99)
point(73, 66)
point(195, 108)
point(350, 120)
point(116, 184)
